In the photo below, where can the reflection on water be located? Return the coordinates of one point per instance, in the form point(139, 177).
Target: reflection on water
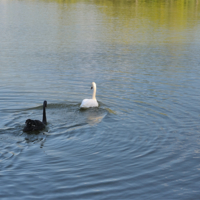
point(95, 116)
point(144, 57)
point(136, 22)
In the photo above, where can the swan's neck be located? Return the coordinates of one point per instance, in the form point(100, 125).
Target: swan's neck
point(44, 120)
point(94, 92)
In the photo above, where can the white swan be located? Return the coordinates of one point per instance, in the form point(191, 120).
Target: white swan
point(87, 103)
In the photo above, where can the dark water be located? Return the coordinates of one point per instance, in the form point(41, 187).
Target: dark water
point(143, 142)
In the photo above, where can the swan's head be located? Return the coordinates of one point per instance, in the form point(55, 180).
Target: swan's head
point(45, 104)
point(93, 85)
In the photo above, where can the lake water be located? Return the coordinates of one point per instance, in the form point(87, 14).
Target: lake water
point(143, 141)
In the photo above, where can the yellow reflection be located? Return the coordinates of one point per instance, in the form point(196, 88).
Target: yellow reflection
point(135, 21)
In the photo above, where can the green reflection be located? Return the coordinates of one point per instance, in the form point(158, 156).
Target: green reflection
point(140, 21)
point(151, 21)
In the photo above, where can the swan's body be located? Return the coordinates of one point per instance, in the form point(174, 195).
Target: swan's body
point(87, 103)
point(36, 125)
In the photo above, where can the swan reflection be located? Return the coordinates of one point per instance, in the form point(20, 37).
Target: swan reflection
point(93, 119)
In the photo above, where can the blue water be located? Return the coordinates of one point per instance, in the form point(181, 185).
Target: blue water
point(142, 142)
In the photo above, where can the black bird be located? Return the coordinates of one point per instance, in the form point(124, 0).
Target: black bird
point(36, 125)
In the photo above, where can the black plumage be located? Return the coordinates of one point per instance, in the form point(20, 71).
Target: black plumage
point(36, 125)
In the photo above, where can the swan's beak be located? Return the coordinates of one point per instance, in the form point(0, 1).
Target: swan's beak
point(91, 88)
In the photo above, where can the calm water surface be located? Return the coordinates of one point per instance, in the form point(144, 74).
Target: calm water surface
point(143, 141)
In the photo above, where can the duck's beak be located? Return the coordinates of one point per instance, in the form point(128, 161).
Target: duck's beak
point(91, 88)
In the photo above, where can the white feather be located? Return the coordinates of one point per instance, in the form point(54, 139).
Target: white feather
point(87, 103)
